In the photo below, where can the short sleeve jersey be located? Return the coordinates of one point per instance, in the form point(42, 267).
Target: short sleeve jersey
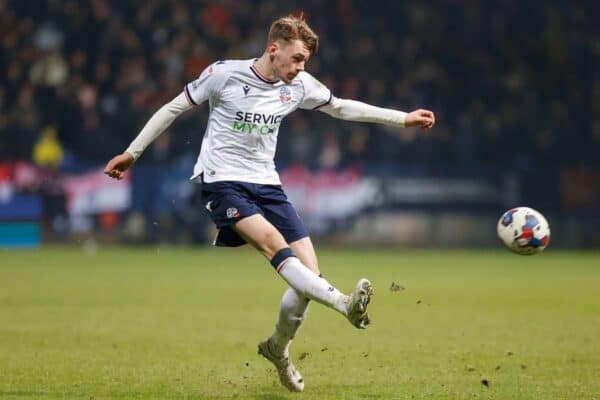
point(246, 110)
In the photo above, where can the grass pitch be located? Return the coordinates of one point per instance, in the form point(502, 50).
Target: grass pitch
point(161, 323)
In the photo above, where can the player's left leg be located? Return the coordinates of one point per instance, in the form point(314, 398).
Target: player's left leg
point(292, 313)
point(294, 305)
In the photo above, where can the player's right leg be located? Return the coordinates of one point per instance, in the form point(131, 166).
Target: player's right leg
point(305, 283)
point(261, 234)
point(359, 298)
point(233, 207)
point(294, 306)
point(236, 208)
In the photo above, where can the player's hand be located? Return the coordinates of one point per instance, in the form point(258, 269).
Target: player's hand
point(118, 165)
point(421, 118)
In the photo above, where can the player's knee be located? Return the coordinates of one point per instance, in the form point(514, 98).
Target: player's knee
point(271, 242)
point(296, 323)
point(300, 317)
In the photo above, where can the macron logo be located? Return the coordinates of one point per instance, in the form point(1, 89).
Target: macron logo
point(246, 89)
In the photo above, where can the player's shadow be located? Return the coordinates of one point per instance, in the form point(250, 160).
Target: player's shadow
point(268, 396)
point(264, 396)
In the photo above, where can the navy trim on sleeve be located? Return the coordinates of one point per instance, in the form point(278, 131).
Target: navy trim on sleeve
point(324, 104)
point(188, 96)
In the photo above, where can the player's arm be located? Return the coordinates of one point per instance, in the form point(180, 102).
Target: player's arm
point(352, 110)
point(207, 85)
point(155, 126)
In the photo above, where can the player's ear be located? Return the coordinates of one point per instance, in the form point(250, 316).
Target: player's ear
point(272, 48)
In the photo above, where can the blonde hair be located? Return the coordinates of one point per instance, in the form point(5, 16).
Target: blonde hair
point(294, 28)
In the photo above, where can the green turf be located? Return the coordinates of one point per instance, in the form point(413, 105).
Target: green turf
point(164, 323)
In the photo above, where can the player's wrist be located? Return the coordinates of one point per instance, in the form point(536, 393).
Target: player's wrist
point(131, 154)
point(401, 118)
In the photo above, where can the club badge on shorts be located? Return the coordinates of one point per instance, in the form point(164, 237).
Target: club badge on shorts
point(232, 212)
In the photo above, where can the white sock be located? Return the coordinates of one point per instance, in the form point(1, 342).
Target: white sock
point(292, 312)
point(301, 278)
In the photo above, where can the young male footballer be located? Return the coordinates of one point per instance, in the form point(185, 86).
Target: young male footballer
point(241, 188)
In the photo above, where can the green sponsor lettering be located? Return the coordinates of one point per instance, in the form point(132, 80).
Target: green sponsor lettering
point(251, 128)
point(239, 126)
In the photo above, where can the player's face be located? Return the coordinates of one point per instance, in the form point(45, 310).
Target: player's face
point(288, 59)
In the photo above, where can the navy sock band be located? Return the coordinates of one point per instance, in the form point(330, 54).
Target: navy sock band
point(280, 256)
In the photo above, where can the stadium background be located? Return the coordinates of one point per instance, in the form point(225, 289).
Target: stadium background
point(107, 307)
point(515, 88)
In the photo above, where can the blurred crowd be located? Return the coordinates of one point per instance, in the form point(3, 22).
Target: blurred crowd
point(514, 86)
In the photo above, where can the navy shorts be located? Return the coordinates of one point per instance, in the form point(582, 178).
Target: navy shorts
point(229, 201)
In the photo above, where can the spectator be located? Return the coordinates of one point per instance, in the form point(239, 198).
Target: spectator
point(47, 151)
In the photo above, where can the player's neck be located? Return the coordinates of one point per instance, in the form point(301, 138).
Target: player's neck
point(263, 65)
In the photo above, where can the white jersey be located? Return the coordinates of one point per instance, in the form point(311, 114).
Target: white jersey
point(246, 111)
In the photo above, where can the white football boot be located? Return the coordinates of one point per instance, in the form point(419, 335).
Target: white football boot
point(288, 375)
point(356, 311)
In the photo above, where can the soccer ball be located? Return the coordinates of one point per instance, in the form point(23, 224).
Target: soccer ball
point(524, 230)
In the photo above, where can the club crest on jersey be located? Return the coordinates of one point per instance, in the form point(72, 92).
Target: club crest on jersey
point(232, 212)
point(285, 94)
